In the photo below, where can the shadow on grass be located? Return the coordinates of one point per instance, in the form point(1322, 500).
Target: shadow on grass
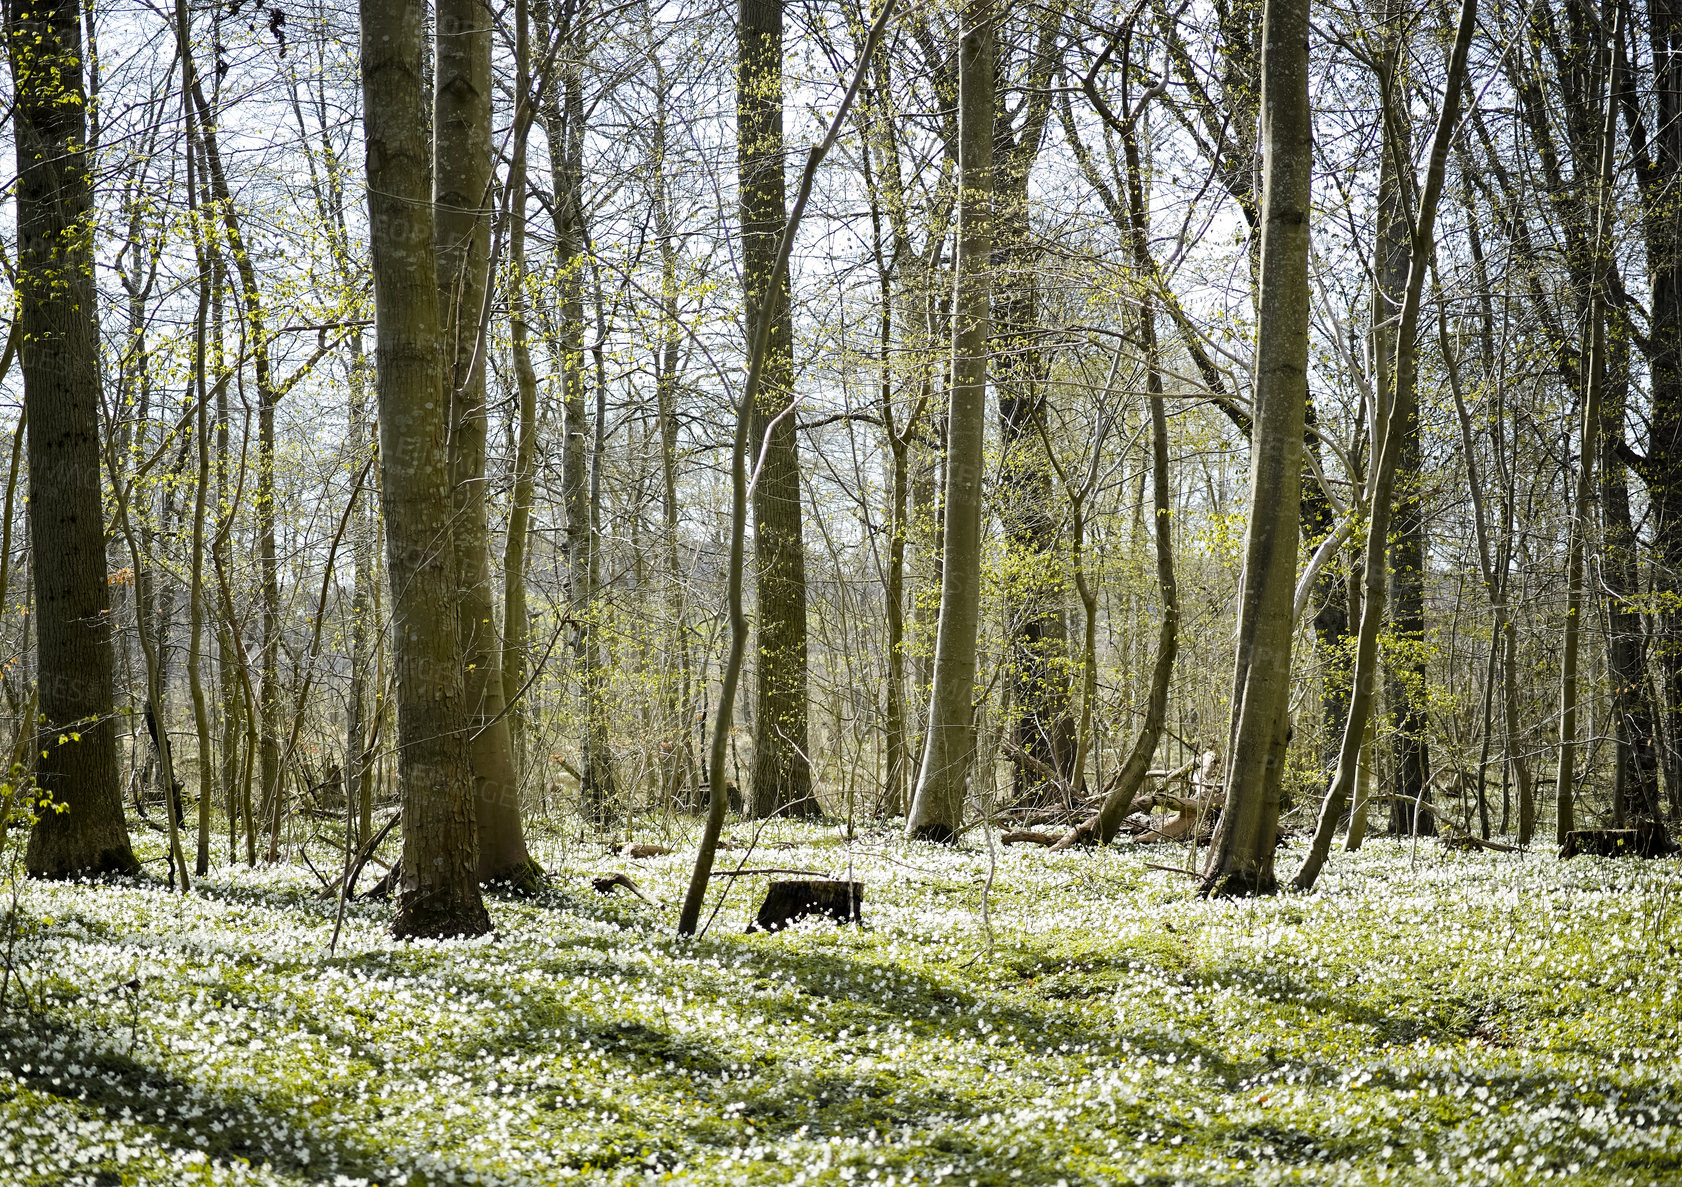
point(697, 1086)
point(179, 1115)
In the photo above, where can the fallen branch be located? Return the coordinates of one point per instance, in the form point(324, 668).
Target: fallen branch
point(363, 858)
point(1027, 836)
point(1173, 870)
point(606, 883)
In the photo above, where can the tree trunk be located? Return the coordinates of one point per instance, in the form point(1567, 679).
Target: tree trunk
point(1594, 376)
point(461, 159)
point(201, 435)
point(937, 809)
point(440, 888)
point(514, 627)
point(1405, 541)
point(60, 363)
point(1635, 786)
point(1241, 857)
point(564, 123)
point(1040, 687)
point(782, 778)
point(1398, 401)
point(1659, 172)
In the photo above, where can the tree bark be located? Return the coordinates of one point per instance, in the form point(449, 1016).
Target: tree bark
point(1593, 371)
point(59, 353)
point(1398, 407)
point(1405, 677)
point(1241, 857)
point(1658, 171)
point(461, 158)
point(782, 778)
point(1040, 677)
point(937, 808)
point(439, 883)
point(514, 627)
point(564, 115)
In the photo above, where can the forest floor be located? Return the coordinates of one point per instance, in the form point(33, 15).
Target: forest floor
point(1423, 1017)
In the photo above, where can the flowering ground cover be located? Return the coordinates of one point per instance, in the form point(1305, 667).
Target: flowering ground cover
point(1424, 1017)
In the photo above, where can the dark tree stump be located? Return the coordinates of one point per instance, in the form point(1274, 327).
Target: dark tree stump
point(732, 797)
point(1645, 839)
point(786, 902)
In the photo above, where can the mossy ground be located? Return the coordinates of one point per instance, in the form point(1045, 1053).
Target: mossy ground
point(1419, 1019)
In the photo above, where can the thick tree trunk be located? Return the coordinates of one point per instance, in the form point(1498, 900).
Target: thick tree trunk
point(937, 808)
point(440, 888)
point(1659, 172)
point(1039, 676)
point(1635, 785)
point(60, 362)
point(782, 778)
point(1241, 857)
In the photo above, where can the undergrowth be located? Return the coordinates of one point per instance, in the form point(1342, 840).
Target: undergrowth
point(1429, 1018)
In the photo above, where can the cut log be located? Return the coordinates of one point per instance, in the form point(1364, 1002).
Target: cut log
point(786, 902)
point(1646, 839)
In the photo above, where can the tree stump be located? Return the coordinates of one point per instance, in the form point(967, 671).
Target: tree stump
point(786, 902)
point(1646, 838)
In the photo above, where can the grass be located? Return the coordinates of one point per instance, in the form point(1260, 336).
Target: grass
point(1447, 1019)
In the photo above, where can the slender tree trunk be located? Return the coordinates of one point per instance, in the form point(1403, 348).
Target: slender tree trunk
point(1398, 408)
point(782, 780)
point(758, 353)
point(679, 764)
point(1135, 767)
point(514, 613)
point(59, 353)
point(1594, 376)
point(439, 884)
point(937, 809)
point(201, 432)
point(1405, 540)
point(564, 116)
point(461, 162)
point(267, 398)
point(1241, 858)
